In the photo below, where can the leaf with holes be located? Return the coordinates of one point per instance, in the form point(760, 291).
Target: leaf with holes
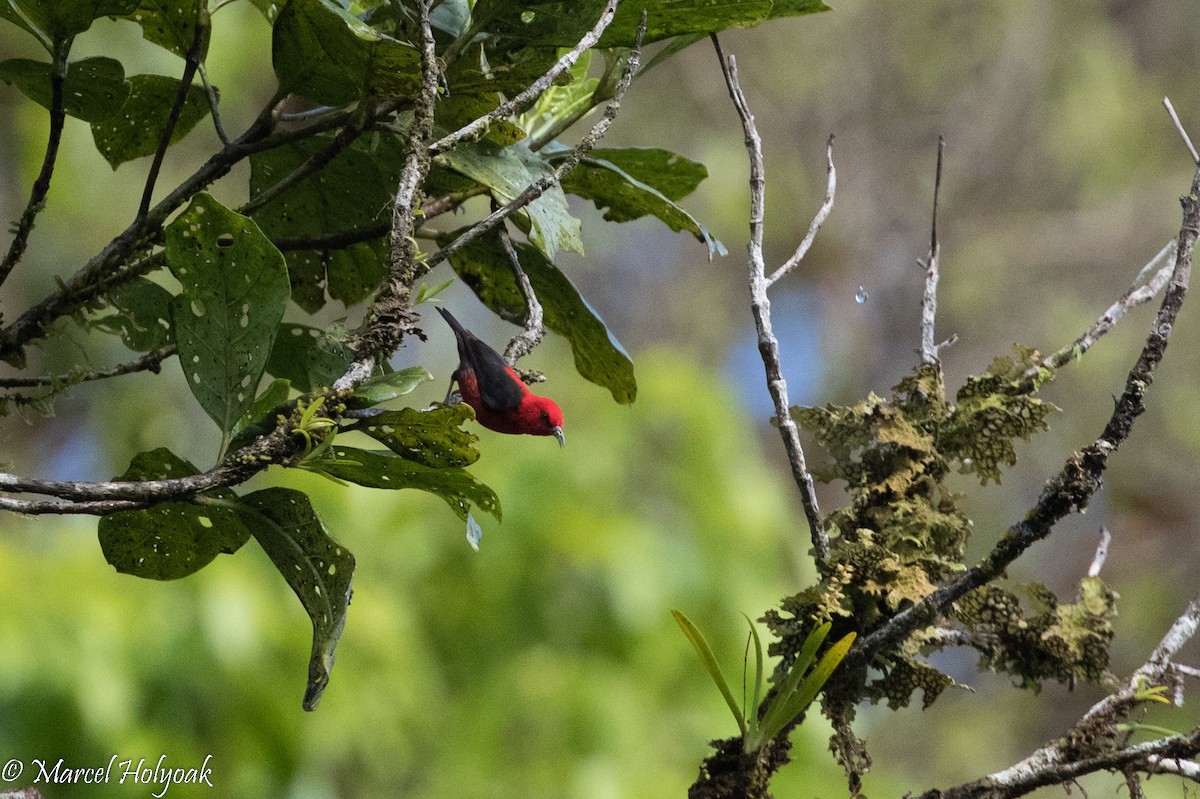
point(322, 51)
point(599, 357)
point(431, 437)
point(263, 415)
point(61, 19)
point(308, 357)
point(94, 88)
point(172, 539)
point(316, 567)
point(143, 315)
point(381, 469)
point(235, 289)
point(352, 192)
point(172, 25)
point(135, 130)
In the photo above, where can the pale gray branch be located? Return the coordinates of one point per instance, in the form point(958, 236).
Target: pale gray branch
point(760, 305)
point(524, 342)
point(929, 347)
point(1187, 140)
point(818, 220)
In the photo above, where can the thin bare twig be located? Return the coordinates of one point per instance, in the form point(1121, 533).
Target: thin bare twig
point(768, 345)
point(818, 220)
point(1101, 553)
point(524, 342)
point(929, 348)
point(1187, 140)
point(41, 185)
point(190, 65)
point(539, 186)
point(213, 104)
point(476, 128)
point(150, 362)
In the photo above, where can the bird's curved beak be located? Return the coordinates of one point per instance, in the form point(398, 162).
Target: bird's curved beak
point(562, 438)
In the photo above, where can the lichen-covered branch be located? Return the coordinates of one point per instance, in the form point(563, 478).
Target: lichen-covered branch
point(1073, 487)
point(929, 347)
point(523, 343)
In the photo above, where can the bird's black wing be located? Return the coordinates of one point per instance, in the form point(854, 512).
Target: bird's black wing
point(498, 390)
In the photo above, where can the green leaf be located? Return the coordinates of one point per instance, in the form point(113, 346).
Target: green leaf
point(509, 172)
point(563, 22)
point(599, 357)
point(315, 566)
point(322, 51)
point(562, 102)
point(387, 387)
point(623, 197)
point(381, 469)
point(172, 539)
point(430, 437)
point(756, 682)
point(265, 408)
point(61, 19)
point(235, 289)
point(709, 661)
point(307, 357)
point(352, 192)
point(94, 88)
point(670, 174)
point(135, 130)
point(143, 315)
point(793, 704)
point(171, 24)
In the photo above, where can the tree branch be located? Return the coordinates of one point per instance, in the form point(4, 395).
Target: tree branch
point(41, 185)
point(572, 159)
point(476, 128)
point(818, 220)
point(929, 347)
point(524, 342)
point(1072, 488)
point(768, 345)
point(150, 362)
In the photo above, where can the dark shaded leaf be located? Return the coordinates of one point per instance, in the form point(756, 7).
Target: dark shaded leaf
point(143, 315)
point(381, 469)
point(172, 539)
point(61, 19)
point(235, 289)
point(563, 22)
point(260, 418)
point(315, 566)
point(171, 24)
point(94, 88)
point(430, 437)
point(322, 51)
point(599, 357)
point(307, 357)
point(134, 131)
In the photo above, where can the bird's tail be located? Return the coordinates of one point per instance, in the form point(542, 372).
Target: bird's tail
point(460, 332)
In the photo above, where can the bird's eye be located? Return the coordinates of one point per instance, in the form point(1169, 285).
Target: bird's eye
point(546, 417)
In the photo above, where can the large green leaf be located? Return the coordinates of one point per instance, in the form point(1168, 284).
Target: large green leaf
point(624, 197)
point(143, 315)
point(136, 129)
point(563, 22)
point(94, 88)
point(171, 24)
point(599, 357)
point(322, 51)
point(381, 469)
point(352, 192)
point(430, 437)
point(235, 289)
point(509, 172)
point(172, 539)
point(307, 357)
point(61, 19)
point(316, 567)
